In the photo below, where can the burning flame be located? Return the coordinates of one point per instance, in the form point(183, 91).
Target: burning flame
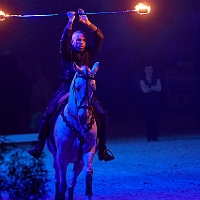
point(2, 15)
point(142, 9)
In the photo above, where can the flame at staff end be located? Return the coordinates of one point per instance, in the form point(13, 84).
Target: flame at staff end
point(142, 9)
point(2, 15)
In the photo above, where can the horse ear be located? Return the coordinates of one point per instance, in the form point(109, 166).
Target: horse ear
point(74, 66)
point(77, 69)
point(95, 68)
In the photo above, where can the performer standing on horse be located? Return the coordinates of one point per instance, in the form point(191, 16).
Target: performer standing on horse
point(73, 49)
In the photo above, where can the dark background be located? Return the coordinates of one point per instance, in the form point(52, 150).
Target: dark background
point(167, 38)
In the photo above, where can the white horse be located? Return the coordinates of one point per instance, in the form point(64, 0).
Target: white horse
point(75, 134)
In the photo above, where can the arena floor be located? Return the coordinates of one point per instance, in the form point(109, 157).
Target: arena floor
point(168, 169)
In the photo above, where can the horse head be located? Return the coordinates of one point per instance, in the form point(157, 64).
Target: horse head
point(81, 92)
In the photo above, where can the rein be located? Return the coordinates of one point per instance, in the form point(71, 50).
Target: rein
point(67, 122)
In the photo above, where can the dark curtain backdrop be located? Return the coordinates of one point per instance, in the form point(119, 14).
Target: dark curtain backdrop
point(167, 38)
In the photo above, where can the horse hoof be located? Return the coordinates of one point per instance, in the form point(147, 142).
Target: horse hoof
point(60, 196)
point(88, 197)
point(70, 193)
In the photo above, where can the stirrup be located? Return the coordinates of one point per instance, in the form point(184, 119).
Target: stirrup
point(106, 156)
point(36, 150)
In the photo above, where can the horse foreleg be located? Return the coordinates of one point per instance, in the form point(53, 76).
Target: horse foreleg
point(56, 190)
point(63, 185)
point(52, 149)
point(70, 193)
point(62, 168)
point(58, 196)
point(88, 181)
point(89, 172)
point(77, 169)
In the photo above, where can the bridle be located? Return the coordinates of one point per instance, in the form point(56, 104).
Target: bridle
point(88, 126)
point(86, 96)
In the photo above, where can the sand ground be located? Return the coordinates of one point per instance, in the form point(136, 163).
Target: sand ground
point(168, 169)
